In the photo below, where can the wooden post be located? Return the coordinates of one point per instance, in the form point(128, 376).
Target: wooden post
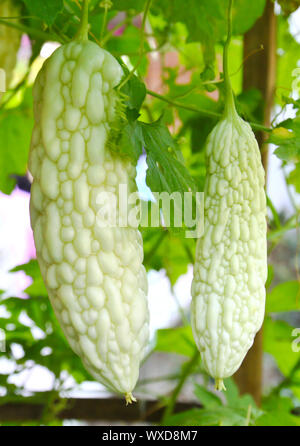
point(259, 72)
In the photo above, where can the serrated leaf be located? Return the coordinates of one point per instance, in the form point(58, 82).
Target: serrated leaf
point(207, 398)
point(167, 173)
point(235, 400)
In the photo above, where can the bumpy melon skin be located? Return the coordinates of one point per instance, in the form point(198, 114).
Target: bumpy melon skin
point(228, 289)
point(9, 40)
point(95, 278)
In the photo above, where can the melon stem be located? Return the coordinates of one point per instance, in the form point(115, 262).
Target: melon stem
point(229, 99)
point(82, 33)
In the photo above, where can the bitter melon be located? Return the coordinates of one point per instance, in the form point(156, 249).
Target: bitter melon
point(228, 288)
point(94, 275)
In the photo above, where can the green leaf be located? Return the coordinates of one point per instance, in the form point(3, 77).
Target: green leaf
point(202, 19)
point(287, 136)
point(294, 178)
point(125, 5)
point(165, 172)
point(283, 297)
point(15, 133)
point(274, 402)
point(250, 104)
point(287, 71)
point(206, 398)
point(207, 20)
point(239, 411)
point(200, 129)
point(277, 412)
point(217, 416)
point(21, 335)
point(135, 90)
point(47, 10)
point(278, 339)
point(132, 140)
point(176, 340)
point(276, 418)
point(126, 43)
point(38, 311)
point(237, 401)
point(31, 268)
point(209, 57)
point(245, 14)
point(164, 250)
point(269, 278)
point(37, 288)
point(14, 305)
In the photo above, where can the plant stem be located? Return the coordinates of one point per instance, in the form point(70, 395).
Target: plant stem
point(158, 379)
point(184, 106)
point(82, 33)
point(106, 7)
point(185, 374)
point(229, 100)
point(202, 111)
point(248, 417)
point(32, 32)
point(274, 213)
point(131, 73)
point(276, 234)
